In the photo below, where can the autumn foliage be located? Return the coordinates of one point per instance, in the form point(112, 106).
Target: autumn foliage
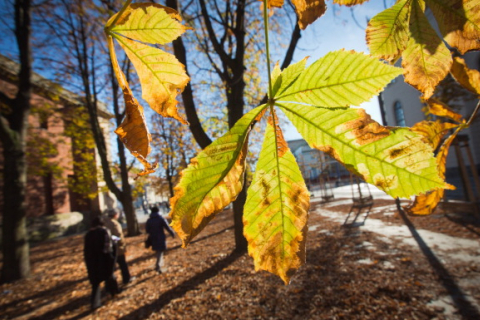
point(317, 100)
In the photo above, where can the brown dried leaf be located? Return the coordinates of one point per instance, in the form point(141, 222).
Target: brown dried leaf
point(133, 130)
point(427, 60)
point(425, 204)
point(459, 22)
point(433, 131)
point(440, 109)
point(468, 78)
point(308, 11)
point(349, 3)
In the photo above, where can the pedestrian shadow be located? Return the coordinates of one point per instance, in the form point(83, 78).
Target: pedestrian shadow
point(70, 306)
point(144, 258)
point(181, 289)
point(464, 307)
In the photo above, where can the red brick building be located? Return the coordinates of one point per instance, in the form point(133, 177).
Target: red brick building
point(62, 169)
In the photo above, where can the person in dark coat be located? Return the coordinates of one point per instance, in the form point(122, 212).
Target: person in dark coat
point(100, 261)
point(156, 226)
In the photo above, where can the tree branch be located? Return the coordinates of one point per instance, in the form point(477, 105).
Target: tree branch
point(131, 165)
point(213, 38)
point(198, 133)
point(223, 75)
point(295, 37)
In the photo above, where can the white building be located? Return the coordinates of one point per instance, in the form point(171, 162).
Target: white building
point(316, 165)
point(402, 107)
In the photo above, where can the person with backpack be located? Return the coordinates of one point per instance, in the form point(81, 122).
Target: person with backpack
point(115, 228)
point(100, 261)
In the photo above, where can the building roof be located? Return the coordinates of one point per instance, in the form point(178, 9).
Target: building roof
point(295, 144)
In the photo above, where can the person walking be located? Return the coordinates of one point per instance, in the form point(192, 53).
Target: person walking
point(100, 261)
point(155, 227)
point(112, 224)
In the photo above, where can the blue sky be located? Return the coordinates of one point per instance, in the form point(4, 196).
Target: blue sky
point(335, 30)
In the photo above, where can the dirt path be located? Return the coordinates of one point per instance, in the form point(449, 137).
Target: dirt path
point(375, 271)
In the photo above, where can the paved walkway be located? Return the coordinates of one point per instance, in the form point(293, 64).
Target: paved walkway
point(442, 251)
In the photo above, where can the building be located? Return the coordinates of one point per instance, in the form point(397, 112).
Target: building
point(402, 107)
point(62, 164)
point(318, 167)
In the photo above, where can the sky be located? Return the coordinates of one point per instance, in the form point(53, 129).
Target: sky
point(335, 30)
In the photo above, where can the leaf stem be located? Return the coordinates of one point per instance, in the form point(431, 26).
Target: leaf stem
point(119, 14)
point(265, 20)
point(474, 113)
point(116, 68)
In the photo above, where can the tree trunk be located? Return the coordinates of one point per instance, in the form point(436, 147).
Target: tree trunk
point(126, 194)
point(170, 184)
point(196, 128)
point(13, 133)
point(16, 261)
point(235, 106)
point(129, 209)
point(240, 240)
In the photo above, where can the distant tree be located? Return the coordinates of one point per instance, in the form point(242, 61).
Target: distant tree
point(227, 41)
point(77, 27)
point(85, 178)
point(173, 147)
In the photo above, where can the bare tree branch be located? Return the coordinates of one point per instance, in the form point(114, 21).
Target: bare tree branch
point(213, 38)
point(196, 128)
point(295, 37)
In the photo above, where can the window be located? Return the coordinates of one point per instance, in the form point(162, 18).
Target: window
point(399, 116)
point(43, 121)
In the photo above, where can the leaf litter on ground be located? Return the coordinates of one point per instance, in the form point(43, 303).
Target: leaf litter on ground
point(350, 273)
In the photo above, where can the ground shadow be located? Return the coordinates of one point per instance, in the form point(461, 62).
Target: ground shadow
point(465, 221)
point(182, 288)
point(464, 307)
point(67, 243)
point(62, 288)
point(357, 209)
point(323, 271)
point(71, 305)
point(144, 258)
